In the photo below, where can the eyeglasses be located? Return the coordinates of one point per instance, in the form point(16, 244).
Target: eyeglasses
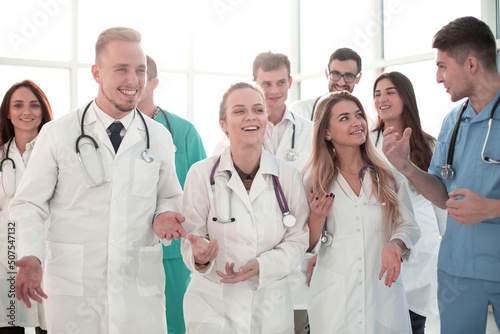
point(348, 77)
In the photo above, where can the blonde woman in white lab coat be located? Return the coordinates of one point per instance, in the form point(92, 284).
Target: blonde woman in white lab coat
point(240, 265)
point(355, 287)
point(24, 110)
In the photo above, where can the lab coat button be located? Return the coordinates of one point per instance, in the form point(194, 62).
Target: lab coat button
point(359, 230)
point(359, 258)
point(361, 322)
point(112, 242)
point(360, 283)
point(355, 205)
point(360, 271)
point(357, 218)
point(360, 311)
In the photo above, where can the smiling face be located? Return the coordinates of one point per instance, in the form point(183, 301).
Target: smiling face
point(246, 120)
point(387, 101)
point(347, 125)
point(25, 111)
point(275, 85)
point(343, 67)
point(121, 74)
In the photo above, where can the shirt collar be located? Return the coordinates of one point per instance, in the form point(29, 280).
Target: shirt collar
point(106, 120)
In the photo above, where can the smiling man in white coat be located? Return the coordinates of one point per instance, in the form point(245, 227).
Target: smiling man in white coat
point(109, 206)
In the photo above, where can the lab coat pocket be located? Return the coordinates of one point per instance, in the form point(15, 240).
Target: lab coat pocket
point(150, 275)
point(146, 175)
point(326, 304)
point(63, 269)
point(393, 315)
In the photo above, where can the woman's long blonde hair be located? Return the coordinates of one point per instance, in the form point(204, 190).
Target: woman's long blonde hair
point(321, 168)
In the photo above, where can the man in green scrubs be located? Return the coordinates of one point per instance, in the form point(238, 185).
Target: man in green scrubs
point(188, 150)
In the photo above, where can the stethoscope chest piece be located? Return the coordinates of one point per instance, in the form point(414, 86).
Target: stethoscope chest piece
point(326, 239)
point(292, 155)
point(288, 219)
point(148, 156)
point(447, 172)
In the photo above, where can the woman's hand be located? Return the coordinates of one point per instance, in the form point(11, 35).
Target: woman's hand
point(320, 207)
point(245, 272)
point(391, 261)
point(203, 251)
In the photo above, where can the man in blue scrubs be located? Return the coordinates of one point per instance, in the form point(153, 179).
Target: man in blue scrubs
point(188, 150)
point(469, 257)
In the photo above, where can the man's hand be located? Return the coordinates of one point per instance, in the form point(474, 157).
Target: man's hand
point(168, 225)
point(472, 208)
point(29, 278)
point(397, 151)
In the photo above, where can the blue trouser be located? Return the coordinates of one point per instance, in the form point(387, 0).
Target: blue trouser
point(463, 303)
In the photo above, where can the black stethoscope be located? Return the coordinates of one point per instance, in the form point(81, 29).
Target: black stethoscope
point(4, 160)
point(292, 154)
point(326, 238)
point(158, 110)
point(287, 218)
point(146, 154)
point(447, 171)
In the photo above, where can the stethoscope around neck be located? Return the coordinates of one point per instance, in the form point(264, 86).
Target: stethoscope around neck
point(292, 155)
point(4, 160)
point(287, 218)
point(146, 154)
point(326, 238)
point(447, 171)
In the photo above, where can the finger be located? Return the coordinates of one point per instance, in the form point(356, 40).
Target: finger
point(312, 196)
point(176, 235)
point(388, 131)
point(25, 297)
point(180, 218)
point(34, 296)
point(458, 192)
point(406, 135)
point(41, 293)
point(224, 276)
point(388, 277)
point(381, 273)
point(181, 231)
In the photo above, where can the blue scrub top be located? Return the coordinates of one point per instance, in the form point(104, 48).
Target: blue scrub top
point(471, 251)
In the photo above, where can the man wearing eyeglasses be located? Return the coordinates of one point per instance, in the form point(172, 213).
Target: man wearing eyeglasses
point(343, 73)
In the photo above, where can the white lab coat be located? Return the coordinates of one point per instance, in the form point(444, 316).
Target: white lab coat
point(303, 148)
point(13, 312)
point(103, 269)
point(346, 295)
point(420, 274)
point(263, 303)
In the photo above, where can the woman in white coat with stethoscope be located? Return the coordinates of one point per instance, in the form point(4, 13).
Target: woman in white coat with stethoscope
point(358, 225)
point(24, 110)
point(246, 215)
point(396, 105)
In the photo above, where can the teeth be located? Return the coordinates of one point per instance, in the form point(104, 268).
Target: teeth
point(250, 128)
point(384, 108)
point(128, 92)
point(356, 132)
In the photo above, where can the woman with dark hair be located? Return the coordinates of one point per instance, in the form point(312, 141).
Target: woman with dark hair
point(358, 225)
point(396, 106)
point(23, 112)
point(246, 214)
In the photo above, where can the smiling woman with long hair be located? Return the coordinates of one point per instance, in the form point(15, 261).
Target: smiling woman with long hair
point(24, 110)
point(356, 287)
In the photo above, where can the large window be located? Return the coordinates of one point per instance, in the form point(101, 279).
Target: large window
point(202, 46)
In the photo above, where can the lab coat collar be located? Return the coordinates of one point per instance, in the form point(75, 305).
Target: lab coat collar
point(259, 184)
